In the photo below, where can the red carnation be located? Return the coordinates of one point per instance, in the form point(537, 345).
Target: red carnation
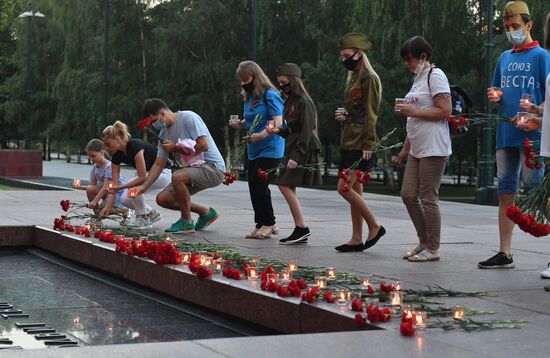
point(142, 124)
point(204, 272)
point(370, 290)
point(359, 320)
point(407, 329)
point(357, 305)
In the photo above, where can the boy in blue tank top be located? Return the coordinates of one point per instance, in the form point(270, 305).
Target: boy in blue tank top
point(521, 70)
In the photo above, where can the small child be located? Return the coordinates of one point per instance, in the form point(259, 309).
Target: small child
point(100, 177)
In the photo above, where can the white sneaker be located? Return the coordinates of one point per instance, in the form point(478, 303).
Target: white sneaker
point(546, 273)
point(126, 219)
point(154, 216)
point(140, 223)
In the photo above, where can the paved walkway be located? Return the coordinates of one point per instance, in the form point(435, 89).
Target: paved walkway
point(470, 234)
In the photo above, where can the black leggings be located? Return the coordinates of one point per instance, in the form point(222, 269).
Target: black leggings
point(260, 195)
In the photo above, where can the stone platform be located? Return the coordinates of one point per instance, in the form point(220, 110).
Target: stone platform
point(469, 235)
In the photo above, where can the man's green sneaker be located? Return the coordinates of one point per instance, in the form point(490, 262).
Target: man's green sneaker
point(204, 220)
point(181, 226)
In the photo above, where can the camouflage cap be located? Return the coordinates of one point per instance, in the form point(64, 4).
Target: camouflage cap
point(355, 40)
point(513, 8)
point(289, 69)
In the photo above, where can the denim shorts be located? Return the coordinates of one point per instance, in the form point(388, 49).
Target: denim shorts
point(510, 161)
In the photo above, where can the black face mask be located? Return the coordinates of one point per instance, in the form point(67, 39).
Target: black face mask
point(349, 63)
point(248, 87)
point(285, 88)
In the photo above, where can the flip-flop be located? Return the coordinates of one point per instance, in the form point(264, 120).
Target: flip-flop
point(413, 252)
point(424, 256)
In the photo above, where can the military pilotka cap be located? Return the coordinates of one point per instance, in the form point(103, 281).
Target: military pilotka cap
point(289, 69)
point(513, 8)
point(355, 40)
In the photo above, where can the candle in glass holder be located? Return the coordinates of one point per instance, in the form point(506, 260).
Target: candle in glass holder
point(458, 312)
point(285, 275)
point(321, 281)
point(76, 319)
point(526, 99)
point(88, 227)
point(217, 264)
point(255, 262)
point(76, 183)
point(110, 185)
point(132, 192)
point(365, 282)
point(495, 92)
point(408, 311)
point(185, 257)
point(342, 297)
point(522, 117)
point(202, 258)
point(397, 286)
point(271, 278)
point(208, 261)
point(396, 298)
point(420, 319)
point(168, 236)
point(252, 273)
point(271, 124)
point(331, 273)
point(293, 265)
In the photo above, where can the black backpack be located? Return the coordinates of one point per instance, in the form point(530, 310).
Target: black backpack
point(457, 94)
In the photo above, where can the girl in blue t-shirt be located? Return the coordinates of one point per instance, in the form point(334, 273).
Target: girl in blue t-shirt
point(100, 177)
point(264, 151)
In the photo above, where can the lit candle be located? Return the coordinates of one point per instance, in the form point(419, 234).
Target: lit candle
point(110, 185)
point(331, 273)
point(293, 265)
point(255, 262)
point(88, 227)
point(132, 192)
point(365, 282)
point(185, 257)
point(522, 117)
point(271, 124)
point(458, 312)
point(76, 183)
point(76, 319)
point(396, 298)
point(271, 278)
point(251, 273)
point(342, 297)
point(321, 281)
point(202, 258)
point(168, 236)
point(207, 261)
point(285, 275)
point(218, 264)
point(420, 320)
point(397, 285)
point(408, 310)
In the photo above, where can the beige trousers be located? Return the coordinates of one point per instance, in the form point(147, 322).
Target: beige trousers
point(420, 194)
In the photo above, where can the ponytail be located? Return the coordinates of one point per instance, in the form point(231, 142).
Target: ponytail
point(118, 129)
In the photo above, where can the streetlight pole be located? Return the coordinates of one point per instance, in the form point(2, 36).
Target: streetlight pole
point(106, 64)
point(486, 162)
point(29, 14)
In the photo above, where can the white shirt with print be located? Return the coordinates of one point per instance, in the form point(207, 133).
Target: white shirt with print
point(545, 138)
point(428, 137)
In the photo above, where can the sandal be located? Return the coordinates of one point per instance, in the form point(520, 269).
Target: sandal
point(415, 251)
point(252, 234)
point(265, 232)
point(424, 256)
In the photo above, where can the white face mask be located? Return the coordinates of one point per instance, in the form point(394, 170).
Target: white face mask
point(516, 37)
point(420, 67)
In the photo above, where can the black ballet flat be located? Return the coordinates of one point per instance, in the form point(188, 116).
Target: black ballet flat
point(370, 243)
point(350, 248)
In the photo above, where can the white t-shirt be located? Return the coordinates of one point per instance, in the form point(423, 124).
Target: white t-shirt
point(428, 137)
point(545, 138)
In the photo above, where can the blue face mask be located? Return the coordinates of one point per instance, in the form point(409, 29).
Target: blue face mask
point(517, 37)
point(158, 125)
